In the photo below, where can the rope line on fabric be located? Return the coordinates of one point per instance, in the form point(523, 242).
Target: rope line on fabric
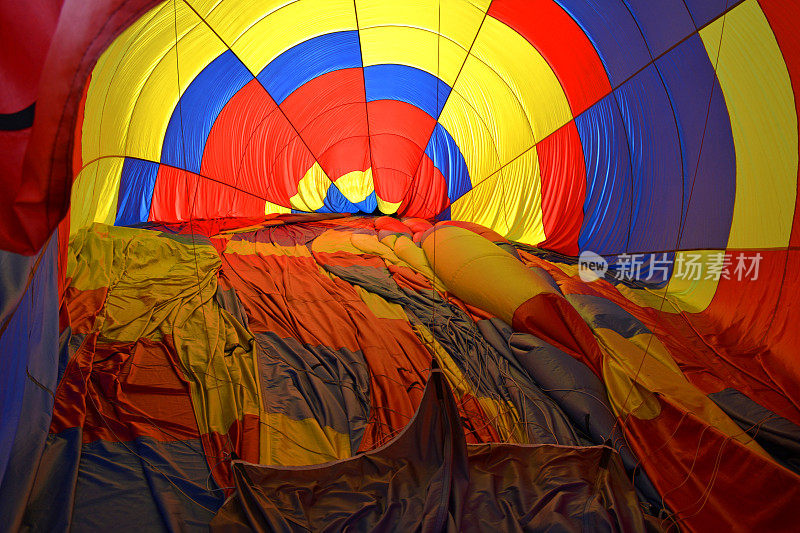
point(211, 353)
point(673, 516)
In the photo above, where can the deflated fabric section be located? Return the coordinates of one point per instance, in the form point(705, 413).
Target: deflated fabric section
point(428, 479)
point(300, 340)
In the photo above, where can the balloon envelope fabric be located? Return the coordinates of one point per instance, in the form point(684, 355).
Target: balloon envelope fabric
point(550, 121)
point(284, 223)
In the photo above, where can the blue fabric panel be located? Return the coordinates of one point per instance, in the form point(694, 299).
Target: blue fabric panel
point(709, 158)
point(602, 313)
point(705, 11)
point(29, 345)
point(663, 22)
point(336, 202)
point(446, 156)
point(612, 30)
point(309, 59)
point(315, 382)
point(444, 215)
point(135, 191)
point(656, 162)
point(406, 84)
point(146, 484)
point(49, 505)
point(198, 108)
point(607, 206)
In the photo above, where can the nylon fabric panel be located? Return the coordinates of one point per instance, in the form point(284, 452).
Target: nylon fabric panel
point(779, 14)
point(758, 94)
point(444, 154)
point(266, 38)
point(704, 128)
point(608, 179)
point(95, 193)
point(137, 181)
point(472, 136)
point(181, 195)
point(250, 140)
point(563, 174)
point(406, 84)
point(494, 201)
point(197, 47)
point(198, 109)
point(126, 64)
point(330, 114)
point(613, 33)
point(431, 38)
point(663, 24)
point(655, 153)
point(309, 60)
point(562, 43)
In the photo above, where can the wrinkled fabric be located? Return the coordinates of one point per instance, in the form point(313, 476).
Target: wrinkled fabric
point(428, 479)
point(304, 340)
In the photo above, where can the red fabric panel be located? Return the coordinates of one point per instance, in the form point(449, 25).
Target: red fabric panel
point(563, 172)
point(562, 43)
point(254, 148)
point(428, 194)
point(120, 391)
point(399, 133)
point(729, 487)
point(245, 437)
point(347, 155)
point(551, 318)
point(782, 16)
point(181, 195)
point(761, 339)
point(330, 114)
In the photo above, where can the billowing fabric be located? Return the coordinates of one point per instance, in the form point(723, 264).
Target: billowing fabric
point(621, 127)
point(428, 479)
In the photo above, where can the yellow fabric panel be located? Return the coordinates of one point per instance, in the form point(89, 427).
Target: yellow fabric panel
point(379, 306)
point(159, 95)
point(633, 375)
point(270, 208)
point(531, 80)
point(759, 97)
point(246, 247)
point(95, 193)
point(285, 27)
point(509, 202)
point(415, 258)
point(495, 106)
point(387, 208)
point(232, 18)
point(311, 190)
point(459, 20)
point(412, 33)
point(289, 442)
point(333, 241)
point(120, 73)
point(472, 136)
point(160, 287)
point(465, 261)
point(356, 185)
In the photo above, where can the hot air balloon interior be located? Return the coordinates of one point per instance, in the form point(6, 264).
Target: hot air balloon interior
point(399, 265)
